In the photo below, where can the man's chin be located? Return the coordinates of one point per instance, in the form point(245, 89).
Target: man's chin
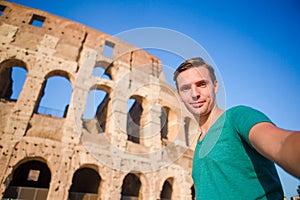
point(195, 111)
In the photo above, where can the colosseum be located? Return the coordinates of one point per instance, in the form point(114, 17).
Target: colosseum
point(136, 143)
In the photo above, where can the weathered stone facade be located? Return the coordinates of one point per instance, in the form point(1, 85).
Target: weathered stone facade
point(143, 153)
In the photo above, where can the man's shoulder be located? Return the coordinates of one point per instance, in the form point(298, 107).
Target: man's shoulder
point(239, 108)
point(242, 111)
point(246, 112)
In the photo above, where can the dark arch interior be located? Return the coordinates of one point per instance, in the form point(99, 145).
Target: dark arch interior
point(30, 176)
point(85, 180)
point(166, 192)
point(131, 186)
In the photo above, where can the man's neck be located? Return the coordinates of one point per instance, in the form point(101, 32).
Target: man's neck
point(206, 121)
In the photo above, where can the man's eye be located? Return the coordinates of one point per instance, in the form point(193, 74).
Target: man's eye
point(185, 88)
point(202, 84)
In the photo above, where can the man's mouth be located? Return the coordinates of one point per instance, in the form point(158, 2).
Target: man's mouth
point(197, 104)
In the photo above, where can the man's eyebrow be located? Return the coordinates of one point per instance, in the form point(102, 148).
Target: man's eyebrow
point(202, 81)
point(199, 81)
point(185, 85)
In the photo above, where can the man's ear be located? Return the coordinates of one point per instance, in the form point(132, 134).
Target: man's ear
point(216, 84)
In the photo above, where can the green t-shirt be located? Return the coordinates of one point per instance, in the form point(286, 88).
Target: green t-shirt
point(225, 164)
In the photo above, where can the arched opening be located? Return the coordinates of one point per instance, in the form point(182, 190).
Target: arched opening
point(12, 77)
point(2, 8)
point(85, 184)
point(164, 122)
point(96, 108)
point(30, 181)
point(166, 193)
point(99, 71)
point(55, 97)
point(186, 130)
point(134, 115)
point(131, 187)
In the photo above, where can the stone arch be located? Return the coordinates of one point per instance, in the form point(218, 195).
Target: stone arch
point(102, 70)
point(164, 122)
point(175, 178)
point(62, 73)
point(190, 184)
point(12, 62)
point(30, 179)
point(97, 108)
point(85, 183)
point(134, 118)
point(187, 125)
point(167, 189)
point(169, 123)
point(12, 78)
point(145, 185)
point(131, 187)
point(190, 131)
point(48, 94)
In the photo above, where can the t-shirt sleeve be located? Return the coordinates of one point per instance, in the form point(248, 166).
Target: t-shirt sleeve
point(243, 118)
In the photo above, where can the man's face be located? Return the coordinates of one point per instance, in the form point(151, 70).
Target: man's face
point(197, 91)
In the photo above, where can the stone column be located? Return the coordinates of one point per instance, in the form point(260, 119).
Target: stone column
point(18, 121)
point(111, 184)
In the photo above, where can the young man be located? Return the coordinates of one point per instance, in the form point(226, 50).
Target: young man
point(236, 150)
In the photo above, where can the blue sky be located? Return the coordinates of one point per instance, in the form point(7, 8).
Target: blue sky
point(254, 44)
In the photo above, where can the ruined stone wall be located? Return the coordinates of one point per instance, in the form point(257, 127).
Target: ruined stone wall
point(66, 144)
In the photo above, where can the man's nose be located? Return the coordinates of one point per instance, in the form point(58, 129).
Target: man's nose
point(195, 91)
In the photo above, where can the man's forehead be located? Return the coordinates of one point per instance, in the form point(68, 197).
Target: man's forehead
point(193, 74)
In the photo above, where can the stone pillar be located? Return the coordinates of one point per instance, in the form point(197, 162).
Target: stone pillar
point(111, 184)
point(181, 191)
point(5, 166)
point(117, 122)
point(22, 112)
point(151, 129)
point(73, 125)
point(149, 190)
point(62, 171)
point(117, 117)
